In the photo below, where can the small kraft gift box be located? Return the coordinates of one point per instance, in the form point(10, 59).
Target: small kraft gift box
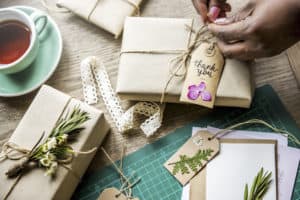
point(46, 115)
point(148, 48)
point(107, 14)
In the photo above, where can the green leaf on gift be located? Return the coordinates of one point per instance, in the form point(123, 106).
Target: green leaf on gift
point(70, 124)
point(55, 149)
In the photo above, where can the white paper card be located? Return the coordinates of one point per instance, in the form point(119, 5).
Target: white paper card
point(236, 165)
point(288, 159)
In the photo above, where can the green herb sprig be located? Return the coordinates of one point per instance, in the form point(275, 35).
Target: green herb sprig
point(185, 163)
point(260, 186)
point(55, 149)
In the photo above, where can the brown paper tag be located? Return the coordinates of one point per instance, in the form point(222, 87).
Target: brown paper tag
point(203, 75)
point(113, 194)
point(198, 186)
point(193, 156)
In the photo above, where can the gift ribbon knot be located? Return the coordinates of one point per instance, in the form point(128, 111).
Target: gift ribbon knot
point(179, 64)
point(12, 151)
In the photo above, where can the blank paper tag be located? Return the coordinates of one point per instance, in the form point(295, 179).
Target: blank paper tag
point(202, 79)
point(113, 194)
point(193, 156)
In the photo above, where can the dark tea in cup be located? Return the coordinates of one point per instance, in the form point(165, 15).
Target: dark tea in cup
point(14, 40)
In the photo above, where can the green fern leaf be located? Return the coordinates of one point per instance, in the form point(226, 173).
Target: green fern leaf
point(185, 163)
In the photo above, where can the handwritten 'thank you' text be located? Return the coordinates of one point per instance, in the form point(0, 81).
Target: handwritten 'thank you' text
point(205, 69)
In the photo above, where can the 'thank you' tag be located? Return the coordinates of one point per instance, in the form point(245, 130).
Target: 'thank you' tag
point(203, 75)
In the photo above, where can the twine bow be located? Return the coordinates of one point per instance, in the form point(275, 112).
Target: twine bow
point(181, 61)
point(9, 148)
point(137, 11)
point(24, 156)
point(12, 151)
point(20, 154)
point(50, 153)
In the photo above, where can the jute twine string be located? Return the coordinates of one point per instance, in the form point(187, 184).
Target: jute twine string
point(12, 151)
point(136, 7)
point(180, 62)
point(126, 184)
point(26, 155)
point(58, 9)
point(8, 148)
point(229, 129)
point(121, 168)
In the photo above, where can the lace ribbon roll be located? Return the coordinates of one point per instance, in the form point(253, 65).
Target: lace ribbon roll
point(94, 77)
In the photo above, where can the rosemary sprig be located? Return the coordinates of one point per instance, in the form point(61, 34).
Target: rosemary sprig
point(55, 149)
point(185, 163)
point(71, 123)
point(260, 186)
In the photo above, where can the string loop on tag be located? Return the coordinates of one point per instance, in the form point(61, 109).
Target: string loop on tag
point(127, 185)
point(227, 130)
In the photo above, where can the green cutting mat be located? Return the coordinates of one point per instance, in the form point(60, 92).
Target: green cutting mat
point(157, 183)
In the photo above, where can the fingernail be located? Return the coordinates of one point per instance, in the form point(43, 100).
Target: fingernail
point(221, 21)
point(214, 13)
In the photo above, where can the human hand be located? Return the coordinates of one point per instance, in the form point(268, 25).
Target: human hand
point(210, 10)
point(262, 28)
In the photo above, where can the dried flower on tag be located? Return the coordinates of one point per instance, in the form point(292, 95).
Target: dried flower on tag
point(196, 91)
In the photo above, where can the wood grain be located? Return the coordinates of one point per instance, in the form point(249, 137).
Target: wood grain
point(293, 54)
point(82, 39)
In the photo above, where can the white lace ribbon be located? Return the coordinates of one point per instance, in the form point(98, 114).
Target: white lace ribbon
point(94, 77)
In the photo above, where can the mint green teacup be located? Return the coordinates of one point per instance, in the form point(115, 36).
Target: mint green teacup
point(36, 22)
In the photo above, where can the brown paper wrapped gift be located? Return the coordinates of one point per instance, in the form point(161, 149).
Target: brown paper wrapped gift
point(107, 14)
point(47, 107)
point(148, 46)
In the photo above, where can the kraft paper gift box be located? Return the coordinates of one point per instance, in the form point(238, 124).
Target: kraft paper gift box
point(147, 48)
point(107, 14)
point(47, 107)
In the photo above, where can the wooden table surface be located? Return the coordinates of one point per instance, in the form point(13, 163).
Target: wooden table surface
point(82, 39)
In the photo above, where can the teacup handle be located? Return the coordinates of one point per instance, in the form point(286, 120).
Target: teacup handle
point(36, 17)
